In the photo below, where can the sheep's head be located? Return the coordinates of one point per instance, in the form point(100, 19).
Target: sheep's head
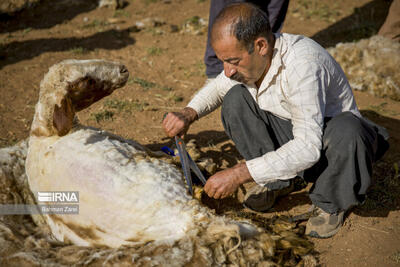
point(71, 86)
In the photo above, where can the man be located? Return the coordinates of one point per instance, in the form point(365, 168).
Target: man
point(275, 9)
point(290, 111)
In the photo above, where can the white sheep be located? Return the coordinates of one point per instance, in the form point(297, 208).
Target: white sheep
point(126, 197)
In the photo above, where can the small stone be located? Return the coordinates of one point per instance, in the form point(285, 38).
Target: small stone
point(173, 28)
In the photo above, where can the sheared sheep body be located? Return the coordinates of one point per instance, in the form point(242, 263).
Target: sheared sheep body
point(124, 197)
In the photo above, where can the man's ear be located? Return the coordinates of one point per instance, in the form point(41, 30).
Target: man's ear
point(261, 46)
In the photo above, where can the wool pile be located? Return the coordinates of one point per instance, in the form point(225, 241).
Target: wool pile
point(371, 65)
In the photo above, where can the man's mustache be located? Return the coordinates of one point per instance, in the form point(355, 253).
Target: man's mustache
point(238, 77)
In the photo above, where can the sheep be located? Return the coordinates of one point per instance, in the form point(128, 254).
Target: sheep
point(132, 205)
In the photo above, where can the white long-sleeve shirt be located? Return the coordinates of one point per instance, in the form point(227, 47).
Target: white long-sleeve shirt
point(304, 84)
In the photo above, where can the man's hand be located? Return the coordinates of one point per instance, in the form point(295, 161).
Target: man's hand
point(226, 182)
point(177, 123)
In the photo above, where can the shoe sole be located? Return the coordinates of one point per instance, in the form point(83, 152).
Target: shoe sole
point(330, 234)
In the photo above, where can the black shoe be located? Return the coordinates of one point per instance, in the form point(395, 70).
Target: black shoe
point(261, 198)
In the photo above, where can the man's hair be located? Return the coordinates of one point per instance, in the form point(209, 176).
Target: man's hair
point(245, 21)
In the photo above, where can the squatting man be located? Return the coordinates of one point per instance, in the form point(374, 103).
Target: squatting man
point(290, 111)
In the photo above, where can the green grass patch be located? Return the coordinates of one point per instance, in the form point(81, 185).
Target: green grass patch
point(167, 88)
point(142, 82)
point(314, 9)
point(121, 13)
point(25, 31)
point(195, 20)
point(178, 98)
point(200, 68)
point(171, 96)
point(155, 51)
point(96, 24)
point(125, 105)
point(78, 50)
point(102, 116)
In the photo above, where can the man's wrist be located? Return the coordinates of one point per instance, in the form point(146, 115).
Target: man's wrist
point(242, 173)
point(190, 114)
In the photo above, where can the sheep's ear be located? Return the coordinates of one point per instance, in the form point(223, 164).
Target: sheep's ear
point(63, 116)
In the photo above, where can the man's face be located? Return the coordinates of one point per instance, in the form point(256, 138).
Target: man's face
point(239, 65)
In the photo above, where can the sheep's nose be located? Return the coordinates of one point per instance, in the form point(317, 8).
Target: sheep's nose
point(123, 69)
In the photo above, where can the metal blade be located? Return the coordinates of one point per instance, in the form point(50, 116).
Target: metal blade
point(197, 171)
point(185, 162)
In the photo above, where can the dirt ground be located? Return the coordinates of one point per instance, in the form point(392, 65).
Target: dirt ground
point(165, 60)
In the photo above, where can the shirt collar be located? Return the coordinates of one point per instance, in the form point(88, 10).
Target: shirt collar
point(279, 51)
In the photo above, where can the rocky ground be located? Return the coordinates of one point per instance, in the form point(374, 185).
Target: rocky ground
point(162, 44)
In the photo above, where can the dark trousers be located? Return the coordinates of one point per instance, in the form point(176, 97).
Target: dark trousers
point(275, 9)
point(350, 145)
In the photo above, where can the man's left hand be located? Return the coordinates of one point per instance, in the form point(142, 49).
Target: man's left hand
point(226, 182)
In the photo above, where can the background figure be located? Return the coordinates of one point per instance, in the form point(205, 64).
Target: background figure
point(275, 9)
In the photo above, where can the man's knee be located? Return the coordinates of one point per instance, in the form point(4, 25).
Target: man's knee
point(235, 100)
point(346, 130)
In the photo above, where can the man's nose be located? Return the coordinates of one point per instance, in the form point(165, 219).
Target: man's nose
point(229, 69)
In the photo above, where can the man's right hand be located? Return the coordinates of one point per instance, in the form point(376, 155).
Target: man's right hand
point(178, 123)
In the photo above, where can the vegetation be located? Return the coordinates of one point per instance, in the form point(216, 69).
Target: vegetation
point(102, 116)
point(121, 13)
point(142, 82)
point(78, 50)
point(155, 51)
point(125, 105)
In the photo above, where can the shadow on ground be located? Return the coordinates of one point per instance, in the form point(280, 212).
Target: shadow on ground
point(206, 139)
point(384, 194)
point(111, 40)
point(363, 23)
point(45, 14)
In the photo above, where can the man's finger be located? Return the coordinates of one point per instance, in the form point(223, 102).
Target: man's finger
point(218, 195)
point(225, 195)
point(208, 190)
point(210, 193)
point(171, 124)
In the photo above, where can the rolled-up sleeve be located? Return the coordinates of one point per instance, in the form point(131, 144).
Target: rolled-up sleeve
point(306, 98)
point(210, 97)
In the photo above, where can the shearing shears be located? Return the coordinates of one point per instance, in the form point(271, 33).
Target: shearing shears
point(187, 163)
